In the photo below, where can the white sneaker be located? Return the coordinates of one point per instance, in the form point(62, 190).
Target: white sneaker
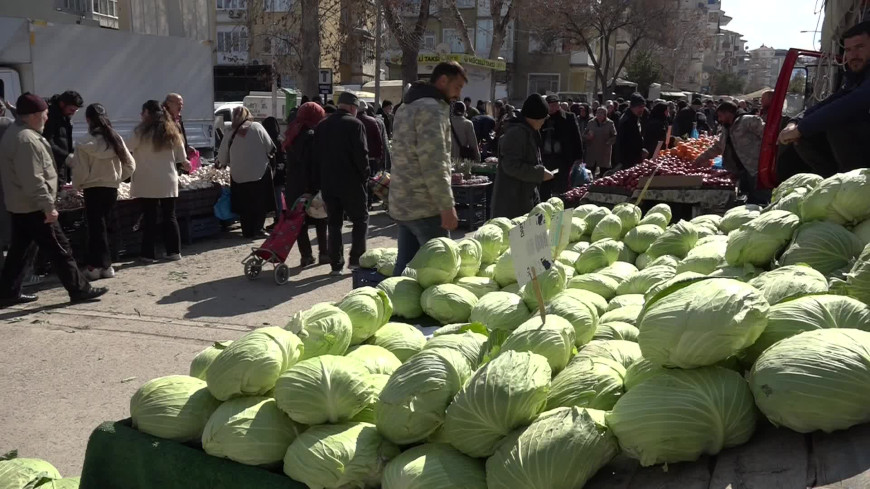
point(107, 272)
point(92, 273)
point(174, 257)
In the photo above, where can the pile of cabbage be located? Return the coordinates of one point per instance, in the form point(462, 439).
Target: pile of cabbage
point(662, 341)
point(29, 473)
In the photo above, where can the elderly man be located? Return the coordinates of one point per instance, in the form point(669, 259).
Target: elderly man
point(562, 147)
point(629, 138)
point(174, 104)
point(30, 189)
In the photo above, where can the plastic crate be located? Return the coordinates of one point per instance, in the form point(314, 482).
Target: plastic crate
point(364, 277)
point(197, 203)
point(193, 228)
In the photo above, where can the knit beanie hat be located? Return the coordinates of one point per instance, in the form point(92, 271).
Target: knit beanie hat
point(535, 107)
point(29, 103)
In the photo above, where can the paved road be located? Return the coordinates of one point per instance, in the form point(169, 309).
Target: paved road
point(65, 369)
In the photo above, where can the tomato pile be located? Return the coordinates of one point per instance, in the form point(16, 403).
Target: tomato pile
point(689, 150)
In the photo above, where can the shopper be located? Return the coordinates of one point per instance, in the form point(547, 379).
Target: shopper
point(464, 144)
point(421, 198)
point(303, 177)
point(629, 141)
point(562, 147)
point(100, 163)
point(247, 153)
point(386, 111)
point(30, 183)
point(341, 152)
point(174, 105)
point(158, 149)
point(600, 135)
point(470, 111)
point(655, 128)
point(59, 129)
point(520, 168)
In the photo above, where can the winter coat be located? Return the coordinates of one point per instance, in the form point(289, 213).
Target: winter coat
point(95, 164)
point(303, 172)
point(600, 148)
point(58, 132)
point(341, 152)
point(250, 154)
point(850, 105)
point(629, 142)
point(561, 140)
point(745, 134)
point(156, 176)
point(420, 180)
point(520, 170)
point(655, 130)
point(483, 127)
point(27, 170)
point(373, 136)
point(463, 134)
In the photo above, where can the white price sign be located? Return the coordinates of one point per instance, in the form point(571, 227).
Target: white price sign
point(560, 230)
point(530, 249)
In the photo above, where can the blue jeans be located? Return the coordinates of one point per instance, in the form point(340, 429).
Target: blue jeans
point(412, 235)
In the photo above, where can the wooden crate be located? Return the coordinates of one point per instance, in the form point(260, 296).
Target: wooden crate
point(672, 181)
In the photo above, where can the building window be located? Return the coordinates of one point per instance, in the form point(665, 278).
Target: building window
point(543, 83)
point(75, 5)
point(235, 41)
point(231, 4)
point(108, 8)
point(466, 3)
point(429, 42)
point(277, 5)
point(452, 38)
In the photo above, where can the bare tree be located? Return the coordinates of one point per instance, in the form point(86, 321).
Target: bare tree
point(675, 47)
point(407, 20)
point(457, 20)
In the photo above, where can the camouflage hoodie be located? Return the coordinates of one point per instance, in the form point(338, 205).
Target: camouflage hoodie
point(420, 178)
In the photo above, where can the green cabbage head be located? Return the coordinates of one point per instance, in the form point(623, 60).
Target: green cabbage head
point(610, 227)
point(738, 216)
point(789, 282)
point(824, 246)
point(597, 256)
point(203, 359)
point(368, 308)
point(26, 473)
point(468, 343)
point(641, 237)
point(176, 407)
point(657, 219)
point(404, 294)
point(595, 282)
point(794, 182)
point(249, 430)
point(588, 381)
point(402, 340)
point(759, 241)
point(629, 214)
point(324, 330)
point(552, 282)
point(641, 281)
point(251, 365)
point(816, 380)
point(470, 256)
point(437, 261)
point(858, 279)
point(562, 449)
point(370, 258)
point(553, 340)
point(842, 198)
point(493, 241)
point(377, 359)
point(616, 330)
point(479, 286)
point(582, 315)
point(434, 466)
point(700, 323)
point(677, 240)
point(578, 229)
point(500, 310)
point(448, 303)
point(705, 258)
point(504, 270)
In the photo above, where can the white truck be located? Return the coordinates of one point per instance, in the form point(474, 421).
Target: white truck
point(120, 70)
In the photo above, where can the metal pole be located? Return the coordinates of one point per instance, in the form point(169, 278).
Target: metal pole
point(378, 54)
point(275, 92)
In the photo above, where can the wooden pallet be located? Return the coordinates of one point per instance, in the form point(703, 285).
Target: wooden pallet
point(773, 459)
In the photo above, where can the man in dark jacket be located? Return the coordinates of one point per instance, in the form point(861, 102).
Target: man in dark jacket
point(688, 117)
point(629, 141)
point(562, 147)
point(373, 138)
point(520, 169)
point(831, 136)
point(58, 130)
point(341, 152)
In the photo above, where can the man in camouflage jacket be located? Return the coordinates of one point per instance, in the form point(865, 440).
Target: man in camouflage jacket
point(421, 199)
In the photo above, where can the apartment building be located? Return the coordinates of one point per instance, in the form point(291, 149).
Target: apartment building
point(763, 67)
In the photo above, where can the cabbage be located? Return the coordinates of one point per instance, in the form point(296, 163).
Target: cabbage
point(367, 414)
point(791, 202)
point(506, 393)
point(704, 258)
point(706, 231)
point(629, 215)
point(513, 288)
point(862, 231)
point(553, 340)
point(504, 270)
point(470, 257)
point(582, 315)
point(578, 229)
point(641, 237)
point(640, 371)
point(687, 277)
point(562, 449)
point(342, 455)
point(825, 246)
point(504, 223)
point(368, 308)
point(493, 242)
point(448, 303)
point(500, 310)
point(251, 365)
point(596, 301)
point(324, 330)
point(858, 279)
point(26, 473)
point(622, 352)
point(789, 282)
point(249, 430)
point(842, 198)
point(597, 256)
point(795, 182)
point(707, 220)
point(376, 359)
point(662, 209)
point(370, 258)
point(460, 328)
point(387, 263)
point(592, 382)
point(469, 344)
point(545, 210)
point(518, 220)
point(595, 282)
point(610, 227)
point(65, 483)
point(625, 300)
point(400, 339)
point(743, 274)
point(487, 271)
point(479, 286)
point(404, 294)
point(591, 214)
point(204, 359)
point(759, 241)
point(324, 389)
point(176, 407)
point(701, 323)
point(568, 257)
point(641, 281)
point(659, 220)
point(434, 466)
point(808, 314)
point(579, 247)
point(625, 314)
point(738, 216)
point(552, 282)
point(679, 415)
point(677, 240)
point(618, 271)
point(616, 330)
point(818, 380)
point(557, 203)
point(413, 403)
point(437, 261)
point(665, 260)
point(643, 261)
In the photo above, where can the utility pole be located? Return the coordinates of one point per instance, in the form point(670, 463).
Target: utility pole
point(378, 35)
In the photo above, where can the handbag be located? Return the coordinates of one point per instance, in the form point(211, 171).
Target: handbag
point(465, 152)
point(317, 207)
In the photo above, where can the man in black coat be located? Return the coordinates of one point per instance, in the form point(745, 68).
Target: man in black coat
point(629, 141)
point(561, 147)
point(58, 129)
point(341, 151)
point(688, 117)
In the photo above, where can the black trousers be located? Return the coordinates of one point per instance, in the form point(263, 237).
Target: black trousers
point(840, 149)
point(32, 228)
point(171, 233)
point(305, 242)
point(99, 202)
point(354, 205)
point(560, 183)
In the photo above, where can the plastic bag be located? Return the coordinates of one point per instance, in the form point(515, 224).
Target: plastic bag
point(317, 208)
point(223, 208)
point(195, 161)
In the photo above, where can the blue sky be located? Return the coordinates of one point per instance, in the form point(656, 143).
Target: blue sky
point(775, 23)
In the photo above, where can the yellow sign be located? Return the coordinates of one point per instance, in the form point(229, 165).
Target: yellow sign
point(463, 59)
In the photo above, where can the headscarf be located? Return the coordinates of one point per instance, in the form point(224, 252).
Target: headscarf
point(307, 117)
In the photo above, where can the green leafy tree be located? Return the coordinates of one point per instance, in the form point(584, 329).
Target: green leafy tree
point(798, 84)
point(727, 84)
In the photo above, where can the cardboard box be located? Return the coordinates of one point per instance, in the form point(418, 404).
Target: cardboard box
point(672, 181)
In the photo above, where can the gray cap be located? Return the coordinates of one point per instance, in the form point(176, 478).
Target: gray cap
point(348, 98)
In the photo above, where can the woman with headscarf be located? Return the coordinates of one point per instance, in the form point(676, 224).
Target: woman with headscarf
point(583, 116)
point(599, 137)
point(655, 128)
point(247, 152)
point(303, 177)
point(278, 163)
